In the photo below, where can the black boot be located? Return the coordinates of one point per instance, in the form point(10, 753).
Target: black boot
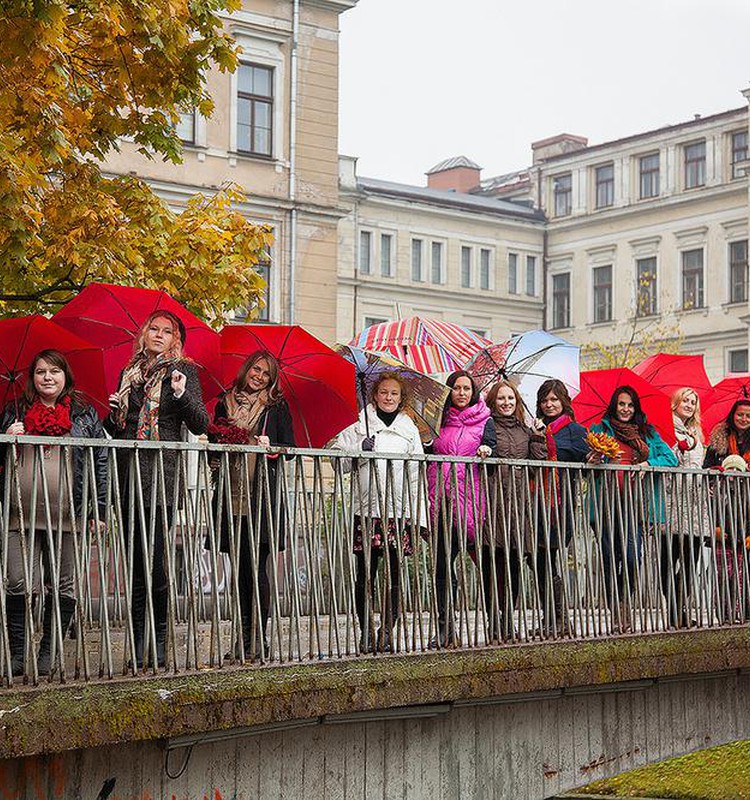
point(161, 644)
point(67, 609)
point(15, 606)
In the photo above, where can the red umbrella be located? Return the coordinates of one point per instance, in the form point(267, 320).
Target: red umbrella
point(669, 372)
point(317, 383)
point(725, 394)
point(597, 387)
point(21, 338)
point(112, 316)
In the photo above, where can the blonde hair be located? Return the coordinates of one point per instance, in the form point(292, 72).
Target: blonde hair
point(175, 351)
point(491, 399)
point(694, 423)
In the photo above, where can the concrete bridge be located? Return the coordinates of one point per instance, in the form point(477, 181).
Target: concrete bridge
point(525, 721)
point(546, 691)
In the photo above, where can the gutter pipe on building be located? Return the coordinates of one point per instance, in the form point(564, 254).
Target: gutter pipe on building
point(545, 252)
point(293, 164)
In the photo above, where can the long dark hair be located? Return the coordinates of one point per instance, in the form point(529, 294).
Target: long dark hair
point(639, 418)
point(731, 427)
point(274, 390)
point(560, 390)
point(451, 382)
point(57, 359)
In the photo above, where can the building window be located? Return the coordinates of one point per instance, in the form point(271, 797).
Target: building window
point(645, 276)
point(465, 267)
point(739, 154)
point(254, 109)
point(605, 185)
point(692, 279)
point(695, 165)
point(531, 275)
point(386, 254)
point(365, 252)
point(369, 321)
point(738, 272)
point(512, 273)
point(263, 268)
point(563, 195)
point(603, 293)
point(484, 269)
point(416, 260)
point(738, 360)
point(649, 175)
point(185, 127)
point(561, 300)
point(437, 262)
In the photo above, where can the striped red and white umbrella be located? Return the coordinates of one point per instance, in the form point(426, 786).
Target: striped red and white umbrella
point(425, 344)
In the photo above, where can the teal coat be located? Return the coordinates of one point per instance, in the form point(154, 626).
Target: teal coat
point(659, 455)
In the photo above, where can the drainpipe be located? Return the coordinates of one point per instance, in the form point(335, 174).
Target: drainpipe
point(545, 251)
point(355, 251)
point(293, 163)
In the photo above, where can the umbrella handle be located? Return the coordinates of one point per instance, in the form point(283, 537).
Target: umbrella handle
point(363, 387)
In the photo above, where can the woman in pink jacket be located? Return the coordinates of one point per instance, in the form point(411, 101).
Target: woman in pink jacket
point(456, 500)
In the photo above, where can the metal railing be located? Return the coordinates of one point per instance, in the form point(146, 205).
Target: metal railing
point(250, 555)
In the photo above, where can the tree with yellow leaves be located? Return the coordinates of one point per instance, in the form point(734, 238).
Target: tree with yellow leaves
point(75, 77)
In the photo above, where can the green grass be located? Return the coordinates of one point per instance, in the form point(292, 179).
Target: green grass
point(719, 773)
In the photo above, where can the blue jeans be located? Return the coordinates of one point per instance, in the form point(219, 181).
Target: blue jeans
point(621, 552)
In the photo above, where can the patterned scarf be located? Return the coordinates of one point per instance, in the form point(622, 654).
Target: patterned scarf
point(41, 420)
point(629, 434)
point(148, 373)
point(735, 450)
point(244, 410)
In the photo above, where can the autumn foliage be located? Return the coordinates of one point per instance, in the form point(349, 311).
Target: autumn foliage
point(75, 77)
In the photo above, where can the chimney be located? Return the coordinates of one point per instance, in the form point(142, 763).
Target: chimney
point(457, 174)
point(557, 145)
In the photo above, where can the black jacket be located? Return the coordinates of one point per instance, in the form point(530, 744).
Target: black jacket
point(276, 423)
point(174, 412)
point(85, 425)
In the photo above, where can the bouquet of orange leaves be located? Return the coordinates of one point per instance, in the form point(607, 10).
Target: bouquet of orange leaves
point(605, 445)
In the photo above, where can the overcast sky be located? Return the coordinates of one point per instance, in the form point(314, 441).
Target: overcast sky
point(423, 80)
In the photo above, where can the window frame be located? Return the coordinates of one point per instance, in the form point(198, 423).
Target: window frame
point(465, 267)
point(362, 250)
point(652, 177)
point(605, 287)
point(253, 98)
point(485, 269)
point(604, 187)
point(694, 174)
point(564, 196)
point(736, 265)
point(531, 275)
point(512, 273)
point(437, 247)
point(700, 283)
point(743, 352)
point(734, 150)
point(651, 291)
point(386, 267)
point(556, 293)
point(418, 276)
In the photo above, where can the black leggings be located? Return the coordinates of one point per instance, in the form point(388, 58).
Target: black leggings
point(360, 585)
point(159, 591)
point(444, 570)
point(497, 605)
point(247, 586)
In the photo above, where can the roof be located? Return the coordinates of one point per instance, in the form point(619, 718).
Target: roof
point(646, 134)
point(449, 199)
point(453, 163)
point(520, 176)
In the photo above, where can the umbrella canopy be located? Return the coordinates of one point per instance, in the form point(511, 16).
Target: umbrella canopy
point(528, 360)
point(426, 396)
point(598, 386)
point(21, 338)
point(111, 317)
point(725, 395)
point(317, 383)
point(427, 345)
point(669, 372)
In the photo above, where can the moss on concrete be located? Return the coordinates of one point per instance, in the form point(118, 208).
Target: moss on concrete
point(54, 717)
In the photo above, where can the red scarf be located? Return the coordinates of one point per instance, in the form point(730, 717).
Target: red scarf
point(556, 425)
point(41, 420)
point(735, 450)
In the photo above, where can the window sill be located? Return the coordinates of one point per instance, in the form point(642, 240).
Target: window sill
point(734, 304)
point(612, 323)
point(699, 310)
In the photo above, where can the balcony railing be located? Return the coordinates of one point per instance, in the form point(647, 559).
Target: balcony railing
point(541, 551)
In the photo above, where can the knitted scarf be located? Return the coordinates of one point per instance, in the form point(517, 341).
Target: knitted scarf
point(148, 373)
point(42, 420)
point(735, 450)
point(557, 424)
point(629, 434)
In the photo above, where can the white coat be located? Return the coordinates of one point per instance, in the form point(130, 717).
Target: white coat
point(401, 436)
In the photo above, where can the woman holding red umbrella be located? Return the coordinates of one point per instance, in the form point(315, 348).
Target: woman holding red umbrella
point(640, 444)
point(253, 412)
point(49, 406)
point(159, 394)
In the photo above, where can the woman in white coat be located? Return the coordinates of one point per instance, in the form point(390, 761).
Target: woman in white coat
point(687, 522)
point(384, 511)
